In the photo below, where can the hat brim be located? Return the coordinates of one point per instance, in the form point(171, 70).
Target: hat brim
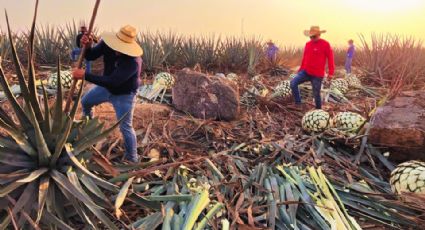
point(309, 34)
point(131, 49)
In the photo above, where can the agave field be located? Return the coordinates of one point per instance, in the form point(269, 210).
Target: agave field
point(265, 170)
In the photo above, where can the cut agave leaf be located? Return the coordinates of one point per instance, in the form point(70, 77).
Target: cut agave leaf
point(150, 222)
point(197, 205)
point(119, 201)
point(214, 210)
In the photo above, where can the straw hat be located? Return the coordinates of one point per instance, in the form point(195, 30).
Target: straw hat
point(314, 31)
point(124, 41)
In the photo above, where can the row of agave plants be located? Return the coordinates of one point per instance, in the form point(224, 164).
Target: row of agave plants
point(165, 50)
point(390, 60)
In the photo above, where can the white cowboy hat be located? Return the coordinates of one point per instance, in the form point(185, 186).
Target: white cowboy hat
point(314, 31)
point(124, 41)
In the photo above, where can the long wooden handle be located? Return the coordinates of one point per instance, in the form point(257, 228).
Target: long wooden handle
point(81, 57)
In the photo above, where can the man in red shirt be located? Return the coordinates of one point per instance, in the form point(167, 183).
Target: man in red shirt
point(316, 52)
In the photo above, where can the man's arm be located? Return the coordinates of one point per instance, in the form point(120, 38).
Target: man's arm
point(93, 53)
point(331, 62)
point(125, 70)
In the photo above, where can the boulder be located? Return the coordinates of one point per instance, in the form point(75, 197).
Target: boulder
point(400, 125)
point(206, 97)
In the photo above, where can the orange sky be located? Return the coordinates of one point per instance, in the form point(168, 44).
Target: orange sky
point(280, 20)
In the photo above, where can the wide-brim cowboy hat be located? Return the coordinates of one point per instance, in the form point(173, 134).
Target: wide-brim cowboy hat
point(124, 41)
point(314, 31)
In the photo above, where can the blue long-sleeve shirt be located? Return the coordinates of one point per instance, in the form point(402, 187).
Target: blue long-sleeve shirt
point(350, 51)
point(121, 72)
point(271, 51)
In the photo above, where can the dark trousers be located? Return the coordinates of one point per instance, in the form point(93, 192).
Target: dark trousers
point(316, 82)
point(348, 63)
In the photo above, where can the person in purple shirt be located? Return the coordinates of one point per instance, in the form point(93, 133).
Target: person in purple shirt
point(119, 83)
point(271, 51)
point(349, 57)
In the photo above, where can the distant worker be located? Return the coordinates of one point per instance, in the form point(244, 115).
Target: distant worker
point(271, 51)
point(77, 50)
point(350, 55)
point(312, 68)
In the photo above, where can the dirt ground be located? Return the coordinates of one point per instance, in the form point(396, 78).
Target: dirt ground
point(160, 126)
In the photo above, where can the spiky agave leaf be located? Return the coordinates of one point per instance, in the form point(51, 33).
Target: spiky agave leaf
point(37, 154)
point(153, 54)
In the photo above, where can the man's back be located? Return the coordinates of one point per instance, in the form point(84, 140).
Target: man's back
point(109, 56)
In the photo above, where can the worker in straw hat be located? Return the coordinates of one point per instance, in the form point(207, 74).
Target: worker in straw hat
point(119, 83)
point(316, 52)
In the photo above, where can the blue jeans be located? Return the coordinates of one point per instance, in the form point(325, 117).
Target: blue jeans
point(348, 62)
point(74, 57)
point(316, 82)
point(122, 104)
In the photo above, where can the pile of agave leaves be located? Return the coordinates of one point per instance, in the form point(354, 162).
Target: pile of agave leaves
point(248, 174)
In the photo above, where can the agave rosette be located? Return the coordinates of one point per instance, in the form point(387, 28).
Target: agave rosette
point(44, 175)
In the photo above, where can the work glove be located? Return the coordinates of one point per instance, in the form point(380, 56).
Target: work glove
point(78, 74)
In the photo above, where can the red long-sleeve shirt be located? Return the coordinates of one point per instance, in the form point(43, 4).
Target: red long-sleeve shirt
point(314, 58)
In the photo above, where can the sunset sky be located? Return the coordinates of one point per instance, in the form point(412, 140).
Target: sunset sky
point(280, 20)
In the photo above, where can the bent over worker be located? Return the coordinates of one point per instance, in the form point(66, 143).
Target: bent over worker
point(119, 83)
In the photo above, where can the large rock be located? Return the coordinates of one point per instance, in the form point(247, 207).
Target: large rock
point(206, 97)
point(400, 125)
